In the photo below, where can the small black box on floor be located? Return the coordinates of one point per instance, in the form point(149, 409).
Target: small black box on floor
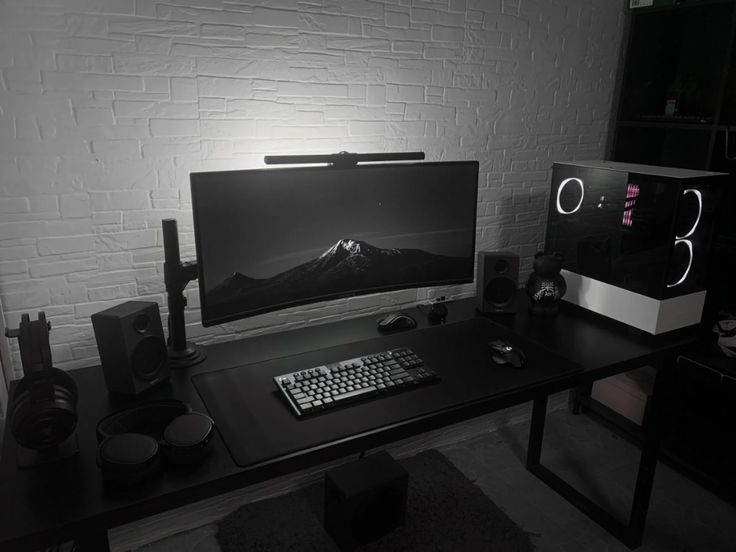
point(365, 500)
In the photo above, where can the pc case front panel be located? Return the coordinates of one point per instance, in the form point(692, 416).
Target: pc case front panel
point(693, 233)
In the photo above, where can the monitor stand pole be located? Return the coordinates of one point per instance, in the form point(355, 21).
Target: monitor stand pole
point(177, 275)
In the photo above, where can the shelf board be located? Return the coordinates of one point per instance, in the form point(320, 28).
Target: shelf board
point(670, 124)
point(639, 10)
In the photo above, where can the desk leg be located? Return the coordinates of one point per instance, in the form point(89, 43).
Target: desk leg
point(648, 462)
point(579, 397)
point(93, 541)
point(631, 534)
point(536, 432)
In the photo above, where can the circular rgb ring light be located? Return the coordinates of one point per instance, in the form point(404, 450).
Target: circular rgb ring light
point(559, 193)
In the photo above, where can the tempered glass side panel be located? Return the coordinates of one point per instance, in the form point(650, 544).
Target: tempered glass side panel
point(614, 226)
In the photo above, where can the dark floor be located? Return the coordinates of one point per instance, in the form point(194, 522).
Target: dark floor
point(683, 517)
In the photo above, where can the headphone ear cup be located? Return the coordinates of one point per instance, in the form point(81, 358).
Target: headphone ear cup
point(127, 459)
point(44, 424)
point(186, 439)
point(65, 385)
point(65, 391)
point(18, 405)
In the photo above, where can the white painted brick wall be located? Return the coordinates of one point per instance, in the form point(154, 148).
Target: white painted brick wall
point(106, 106)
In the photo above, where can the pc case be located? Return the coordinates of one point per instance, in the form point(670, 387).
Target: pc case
point(635, 239)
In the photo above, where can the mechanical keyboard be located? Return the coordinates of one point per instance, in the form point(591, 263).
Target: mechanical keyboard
point(333, 385)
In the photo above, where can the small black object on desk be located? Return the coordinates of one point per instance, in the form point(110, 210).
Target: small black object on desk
point(396, 321)
point(504, 352)
point(438, 313)
point(546, 286)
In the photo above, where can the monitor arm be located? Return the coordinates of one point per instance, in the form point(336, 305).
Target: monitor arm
point(177, 275)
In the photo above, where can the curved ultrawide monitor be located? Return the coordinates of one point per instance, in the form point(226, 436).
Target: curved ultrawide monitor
point(268, 239)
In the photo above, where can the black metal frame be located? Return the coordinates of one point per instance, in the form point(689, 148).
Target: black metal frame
point(630, 534)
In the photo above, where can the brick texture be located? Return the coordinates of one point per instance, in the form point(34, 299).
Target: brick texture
point(107, 106)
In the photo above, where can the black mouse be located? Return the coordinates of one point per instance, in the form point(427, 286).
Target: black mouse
point(396, 321)
point(503, 352)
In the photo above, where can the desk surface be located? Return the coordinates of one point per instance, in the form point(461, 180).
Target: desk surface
point(257, 426)
point(61, 500)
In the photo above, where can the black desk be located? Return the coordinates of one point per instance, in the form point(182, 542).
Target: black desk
point(66, 500)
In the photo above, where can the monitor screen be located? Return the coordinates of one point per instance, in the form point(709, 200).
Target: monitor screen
point(268, 239)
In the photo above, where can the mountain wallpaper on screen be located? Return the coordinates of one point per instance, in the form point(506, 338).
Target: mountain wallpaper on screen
point(347, 266)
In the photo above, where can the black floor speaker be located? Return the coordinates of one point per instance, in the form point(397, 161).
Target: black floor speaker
point(497, 282)
point(132, 346)
point(365, 500)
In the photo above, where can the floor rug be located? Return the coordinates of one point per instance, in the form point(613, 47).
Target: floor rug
point(445, 511)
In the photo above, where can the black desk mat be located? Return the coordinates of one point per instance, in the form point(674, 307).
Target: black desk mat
point(257, 425)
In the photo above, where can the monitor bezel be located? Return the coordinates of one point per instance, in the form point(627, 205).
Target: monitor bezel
point(208, 320)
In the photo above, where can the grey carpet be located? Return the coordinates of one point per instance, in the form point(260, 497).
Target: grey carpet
point(445, 511)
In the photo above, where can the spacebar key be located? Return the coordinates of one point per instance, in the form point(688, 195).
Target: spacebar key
point(351, 394)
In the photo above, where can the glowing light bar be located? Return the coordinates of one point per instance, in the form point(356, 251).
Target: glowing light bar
point(700, 212)
point(689, 246)
point(632, 192)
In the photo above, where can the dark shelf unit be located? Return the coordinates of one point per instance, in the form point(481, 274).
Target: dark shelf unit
point(678, 79)
point(677, 107)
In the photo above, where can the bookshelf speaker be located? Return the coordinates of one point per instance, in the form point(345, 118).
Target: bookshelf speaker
point(130, 339)
point(497, 282)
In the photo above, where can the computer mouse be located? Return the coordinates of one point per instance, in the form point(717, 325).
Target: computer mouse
point(396, 321)
point(503, 352)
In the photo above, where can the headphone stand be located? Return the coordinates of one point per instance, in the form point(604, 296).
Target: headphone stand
point(29, 458)
point(181, 353)
point(42, 412)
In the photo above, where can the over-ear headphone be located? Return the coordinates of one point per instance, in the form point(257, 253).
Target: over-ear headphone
point(43, 408)
point(134, 444)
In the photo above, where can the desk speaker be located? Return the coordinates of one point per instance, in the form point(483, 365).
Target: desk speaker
point(365, 500)
point(130, 339)
point(497, 282)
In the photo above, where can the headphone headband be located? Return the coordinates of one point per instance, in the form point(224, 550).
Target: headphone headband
point(150, 418)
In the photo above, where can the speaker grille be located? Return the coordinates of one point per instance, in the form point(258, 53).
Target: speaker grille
point(148, 358)
point(500, 292)
point(497, 281)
